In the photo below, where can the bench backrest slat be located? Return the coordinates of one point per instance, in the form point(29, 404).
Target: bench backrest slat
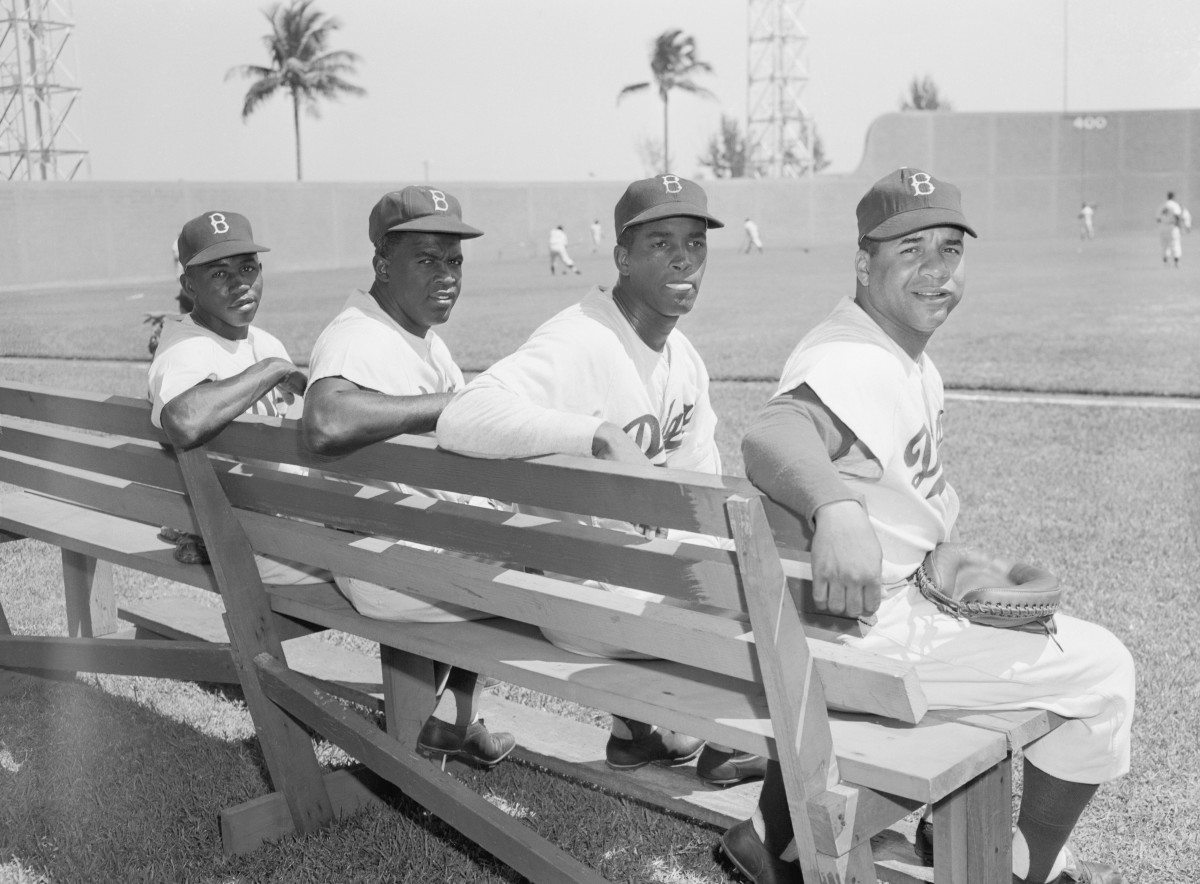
point(148, 464)
point(119, 415)
point(529, 564)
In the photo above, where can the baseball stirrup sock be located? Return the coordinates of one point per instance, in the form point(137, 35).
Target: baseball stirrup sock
point(1050, 808)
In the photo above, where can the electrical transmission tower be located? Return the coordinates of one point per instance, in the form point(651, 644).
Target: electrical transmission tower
point(36, 93)
point(779, 131)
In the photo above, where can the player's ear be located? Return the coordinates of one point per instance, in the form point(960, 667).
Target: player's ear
point(862, 266)
point(380, 264)
point(621, 259)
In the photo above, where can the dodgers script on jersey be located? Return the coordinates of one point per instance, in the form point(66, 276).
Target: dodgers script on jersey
point(894, 406)
point(582, 367)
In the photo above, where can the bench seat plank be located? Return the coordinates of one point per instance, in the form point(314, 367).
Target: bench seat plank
point(101, 535)
point(186, 620)
point(667, 630)
point(922, 761)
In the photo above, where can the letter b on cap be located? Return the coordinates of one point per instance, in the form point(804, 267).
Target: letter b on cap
point(922, 183)
point(671, 183)
point(218, 222)
point(439, 201)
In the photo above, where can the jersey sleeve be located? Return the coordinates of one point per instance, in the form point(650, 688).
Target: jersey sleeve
point(543, 399)
point(175, 370)
point(352, 351)
point(790, 449)
point(861, 385)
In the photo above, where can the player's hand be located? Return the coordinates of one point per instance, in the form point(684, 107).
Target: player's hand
point(292, 381)
point(611, 443)
point(847, 561)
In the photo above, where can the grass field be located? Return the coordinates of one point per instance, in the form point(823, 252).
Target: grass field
point(121, 779)
point(1038, 315)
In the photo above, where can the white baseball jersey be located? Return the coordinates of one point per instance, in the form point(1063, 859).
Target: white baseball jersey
point(1171, 214)
point(581, 368)
point(368, 348)
point(189, 354)
point(894, 405)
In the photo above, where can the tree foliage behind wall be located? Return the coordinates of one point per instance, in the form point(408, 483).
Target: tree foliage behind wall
point(923, 95)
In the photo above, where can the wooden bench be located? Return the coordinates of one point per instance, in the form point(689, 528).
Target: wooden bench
point(737, 656)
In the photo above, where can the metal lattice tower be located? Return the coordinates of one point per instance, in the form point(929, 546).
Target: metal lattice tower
point(37, 93)
point(779, 132)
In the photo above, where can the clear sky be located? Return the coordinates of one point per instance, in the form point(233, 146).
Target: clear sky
point(516, 90)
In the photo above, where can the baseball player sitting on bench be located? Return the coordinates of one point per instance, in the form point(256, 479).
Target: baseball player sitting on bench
point(379, 370)
point(851, 441)
point(611, 377)
point(213, 364)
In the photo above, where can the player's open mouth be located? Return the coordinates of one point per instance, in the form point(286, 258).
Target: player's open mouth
point(680, 286)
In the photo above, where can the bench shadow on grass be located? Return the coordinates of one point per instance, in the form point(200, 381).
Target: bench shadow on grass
point(111, 778)
point(101, 786)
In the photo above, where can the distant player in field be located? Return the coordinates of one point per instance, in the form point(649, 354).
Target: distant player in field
point(752, 239)
point(1170, 220)
point(379, 370)
point(597, 235)
point(558, 252)
point(1086, 231)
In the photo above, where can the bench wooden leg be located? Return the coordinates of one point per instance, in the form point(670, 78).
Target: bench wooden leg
point(972, 831)
point(91, 604)
point(409, 693)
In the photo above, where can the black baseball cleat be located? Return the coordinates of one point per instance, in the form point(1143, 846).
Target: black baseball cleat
point(474, 743)
point(745, 850)
point(719, 767)
point(659, 746)
point(923, 842)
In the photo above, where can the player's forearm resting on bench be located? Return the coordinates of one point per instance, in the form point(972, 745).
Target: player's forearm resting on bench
point(789, 452)
point(201, 412)
point(340, 416)
point(489, 420)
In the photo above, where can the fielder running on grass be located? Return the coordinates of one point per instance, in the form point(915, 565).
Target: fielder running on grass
point(853, 441)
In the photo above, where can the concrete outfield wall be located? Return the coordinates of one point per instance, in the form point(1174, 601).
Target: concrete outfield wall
point(1021, 175)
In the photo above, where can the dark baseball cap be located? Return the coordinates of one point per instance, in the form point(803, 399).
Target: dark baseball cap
point(663, 196)
point(419, 209)
point(216, 235)
point(908, 200)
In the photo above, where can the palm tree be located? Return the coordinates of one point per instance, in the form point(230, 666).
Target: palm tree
point(300, 63)
point(673, 61)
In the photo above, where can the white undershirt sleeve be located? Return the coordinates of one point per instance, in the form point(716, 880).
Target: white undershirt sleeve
point(489, 421)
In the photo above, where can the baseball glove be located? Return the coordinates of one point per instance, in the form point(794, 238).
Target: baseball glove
point(966, 583)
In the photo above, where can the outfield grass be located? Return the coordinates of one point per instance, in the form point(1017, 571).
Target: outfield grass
point(121, 779)
point(1037, 315)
